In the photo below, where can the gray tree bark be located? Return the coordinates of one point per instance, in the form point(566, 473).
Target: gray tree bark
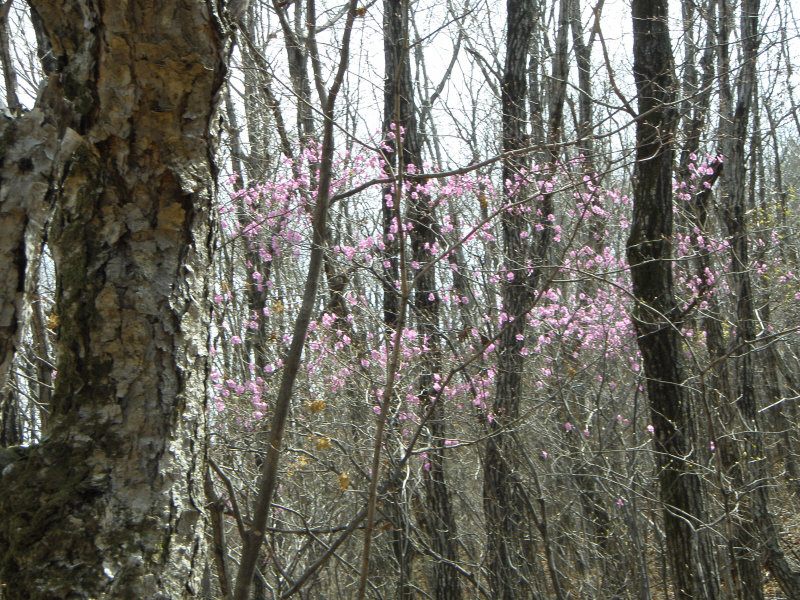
point(117, 153)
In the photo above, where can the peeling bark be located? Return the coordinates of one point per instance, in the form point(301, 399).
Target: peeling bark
point(119, 147)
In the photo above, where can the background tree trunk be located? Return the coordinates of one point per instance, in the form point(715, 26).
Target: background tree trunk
point(508, 549)
point(759, 537)
point(655, 314)
point(400, 111)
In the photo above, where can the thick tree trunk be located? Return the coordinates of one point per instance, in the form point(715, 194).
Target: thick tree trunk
point(119, 146)
point(655, 314)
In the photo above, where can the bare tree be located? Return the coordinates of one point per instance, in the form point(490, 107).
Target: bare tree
point(735, 119)
point(507, 520)
point(253, 537)
point(656, 315)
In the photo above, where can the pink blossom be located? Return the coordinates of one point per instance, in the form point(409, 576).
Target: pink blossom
point(568, 426)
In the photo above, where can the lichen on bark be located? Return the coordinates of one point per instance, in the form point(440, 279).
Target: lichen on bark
point(110, 504)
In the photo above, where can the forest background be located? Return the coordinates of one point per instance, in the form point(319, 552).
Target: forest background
point(399, 300)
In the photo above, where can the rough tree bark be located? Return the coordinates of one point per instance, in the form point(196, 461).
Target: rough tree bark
point(655, 314)
point(119, 148)
point(746, 568)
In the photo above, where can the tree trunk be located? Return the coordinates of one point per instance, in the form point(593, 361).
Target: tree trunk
point(400, 111)
point(397, 116)
point(9, 72)
point(510, 571)
point(583, 57)
point(655, 314)
point(253, 537)
point(298, 63)
point(119, 146)
point(762, 532)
